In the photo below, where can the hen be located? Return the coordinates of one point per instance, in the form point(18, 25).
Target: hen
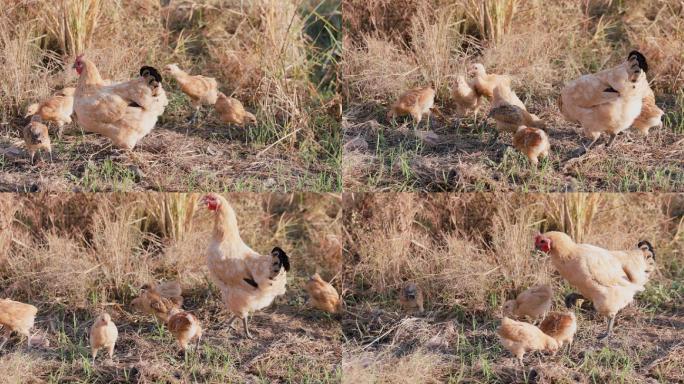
point(610, 279)
point(248, 281)
point(124, 112)
point(608, 101)
point(17, 317)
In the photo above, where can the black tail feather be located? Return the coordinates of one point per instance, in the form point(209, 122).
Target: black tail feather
point(641, 59)
point(146, 71)
point(282, 256)
point(647, 244)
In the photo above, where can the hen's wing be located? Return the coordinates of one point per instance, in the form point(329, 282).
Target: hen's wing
point(604, 268)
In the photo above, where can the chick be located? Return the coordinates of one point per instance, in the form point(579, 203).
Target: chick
point(231, 111)
point(200, 89)
point(465, 97)
point(532, 142)
point(650, 116)
point(36, 138)
point(510, 117)
point(152, 302)
point(57, 108)
point(415, 102)
point(485, 83)
point(411, 297)
point(103, 334)
point(17, 317)
point(533, 303)
point(561, 326)
point(519, 337)
point(185, 327)
point(322, 295)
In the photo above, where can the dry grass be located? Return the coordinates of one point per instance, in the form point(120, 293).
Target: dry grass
point(74, 255)
point(470, 253)
point(275, 56)
point(542, 45)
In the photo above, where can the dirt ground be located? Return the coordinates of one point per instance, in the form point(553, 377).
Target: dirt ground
point(461, 154)
point(646, 348)
point(175, 156)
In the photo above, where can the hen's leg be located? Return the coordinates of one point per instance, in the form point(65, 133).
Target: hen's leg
point(244, 325)
point(610, 141)
point(611, 321)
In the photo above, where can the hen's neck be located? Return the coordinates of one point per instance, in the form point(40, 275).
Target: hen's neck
point(225, 226)
point(90, 75)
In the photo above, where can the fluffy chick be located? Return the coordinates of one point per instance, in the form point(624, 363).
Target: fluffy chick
point(533, 303)
point(561, 326)
point(465, 97)
point(231, 111)
point(152, 301)
point(57, 108)
point(532, 142)
point(200, 89)
point(16, 317)
point(103, 334)
point(36, 138)
point(411, 297)
point(650, 116)
point(415, 102)
point(485, 83)
point(519, 337)
point(185, 327)
point(322, 295)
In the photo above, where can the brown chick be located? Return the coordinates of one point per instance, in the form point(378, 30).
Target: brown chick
point(185, 327)
point(57, 108)
point(465, 97)
point(17, 317)
point(519, 337)
point(36, 138)
point(532, 142)
point(485, 83)
point(415, 102)
point(153, 303)
point(231, 111)
point(650, 116)
point(561, 326)
point(322, 295)
point(533, 303)
point(510, 117)
point(200, 89)
point(411, 297)
point(103, 334)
